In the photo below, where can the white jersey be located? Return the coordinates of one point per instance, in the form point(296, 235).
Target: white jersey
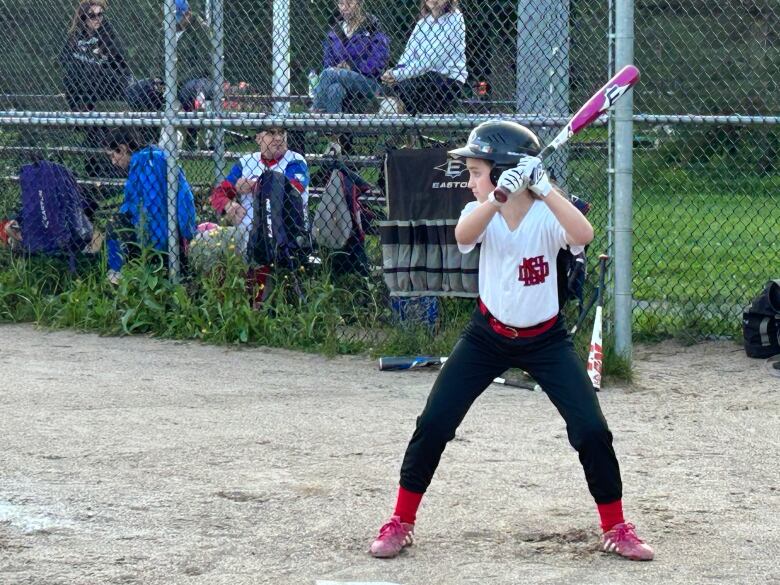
point(518, 279)
point(292, 165)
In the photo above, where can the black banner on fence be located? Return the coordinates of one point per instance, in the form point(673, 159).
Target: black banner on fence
point(425, 184)
point(426, 192)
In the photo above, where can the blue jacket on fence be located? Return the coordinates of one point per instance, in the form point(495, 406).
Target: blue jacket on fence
point(367, 51)
point(145, 205)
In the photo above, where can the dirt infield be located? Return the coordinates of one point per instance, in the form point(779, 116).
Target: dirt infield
point(139, 461)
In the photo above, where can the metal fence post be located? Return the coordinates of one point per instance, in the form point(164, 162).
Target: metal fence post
point(609, 318)
point(208, 11)
point(216, 20)
point(168, 138)
point(624, 142)
point(280, 55)
point(542, 67)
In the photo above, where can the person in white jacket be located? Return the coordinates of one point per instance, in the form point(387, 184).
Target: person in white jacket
point(430, 74)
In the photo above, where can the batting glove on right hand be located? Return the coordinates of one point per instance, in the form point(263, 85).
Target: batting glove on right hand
point(513, 180)
point(532, 168)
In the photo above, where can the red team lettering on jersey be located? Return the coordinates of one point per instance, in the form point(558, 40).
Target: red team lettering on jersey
point(533, 271)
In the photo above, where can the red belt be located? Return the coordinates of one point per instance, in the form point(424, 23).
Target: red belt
point(515, 332)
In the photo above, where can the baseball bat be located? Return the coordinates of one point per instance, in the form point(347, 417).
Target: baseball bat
point(583, 315)
point(585, 310)
point(390, 363)
point(595, 355)
point(598, 103)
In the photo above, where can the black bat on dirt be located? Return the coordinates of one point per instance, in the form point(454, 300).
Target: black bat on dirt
point(390, 363)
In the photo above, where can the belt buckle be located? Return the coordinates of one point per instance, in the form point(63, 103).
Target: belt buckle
point(505, 330)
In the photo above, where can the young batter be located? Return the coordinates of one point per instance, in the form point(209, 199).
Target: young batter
point(516, 324)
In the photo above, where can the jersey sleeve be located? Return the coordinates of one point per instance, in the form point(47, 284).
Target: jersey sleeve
point(470, 207)
point(555, 231)
point(235, 174)
point(297, 172)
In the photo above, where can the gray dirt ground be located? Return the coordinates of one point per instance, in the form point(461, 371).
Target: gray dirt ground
point(140, 461)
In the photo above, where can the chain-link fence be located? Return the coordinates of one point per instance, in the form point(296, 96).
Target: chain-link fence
point(273, 147)
point(707, 213)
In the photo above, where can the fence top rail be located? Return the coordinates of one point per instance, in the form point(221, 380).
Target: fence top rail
point(736, 119)
point(340, 121)
point(290, 121)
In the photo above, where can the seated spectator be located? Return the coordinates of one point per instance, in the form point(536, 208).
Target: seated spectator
point(356, 51)
point(95, 70)
point(93, 59)
point(279, 168)
point(234, 196)
point(430, 75)
point(144, 209)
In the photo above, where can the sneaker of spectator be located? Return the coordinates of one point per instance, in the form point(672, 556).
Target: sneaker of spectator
point(113, 276)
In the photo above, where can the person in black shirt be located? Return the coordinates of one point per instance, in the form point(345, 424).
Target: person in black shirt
point(94, 70)
point(93, 59)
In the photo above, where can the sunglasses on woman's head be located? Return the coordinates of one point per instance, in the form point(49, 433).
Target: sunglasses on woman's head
point(95, 15)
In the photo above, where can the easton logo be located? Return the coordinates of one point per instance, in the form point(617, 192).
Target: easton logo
point(452, 168)
point(613, 93)
point(533, 271)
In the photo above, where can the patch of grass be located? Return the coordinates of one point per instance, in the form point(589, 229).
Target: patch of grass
point(616, 368)
point(704, 244)
point(416, 338)
point(309, 312)
point(705, 234)
point(304, 311)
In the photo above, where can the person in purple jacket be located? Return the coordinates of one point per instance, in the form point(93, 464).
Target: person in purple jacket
point(356, 52)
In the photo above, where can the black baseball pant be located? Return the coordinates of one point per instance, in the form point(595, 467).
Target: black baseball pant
point(482, 354)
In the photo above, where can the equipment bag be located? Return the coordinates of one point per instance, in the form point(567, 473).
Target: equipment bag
point(279, 235)
point(761, 323)
point(340, 214)
point(52, 220)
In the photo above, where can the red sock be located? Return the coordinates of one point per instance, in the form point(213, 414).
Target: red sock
point(406, 505)
point(611, 514)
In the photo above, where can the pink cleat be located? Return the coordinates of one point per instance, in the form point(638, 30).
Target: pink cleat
point(622, 540)
point(393, 538)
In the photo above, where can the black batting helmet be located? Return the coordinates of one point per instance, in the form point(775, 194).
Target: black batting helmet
point(502, 143)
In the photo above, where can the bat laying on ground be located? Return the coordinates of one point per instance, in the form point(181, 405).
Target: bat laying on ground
point(391, 363)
